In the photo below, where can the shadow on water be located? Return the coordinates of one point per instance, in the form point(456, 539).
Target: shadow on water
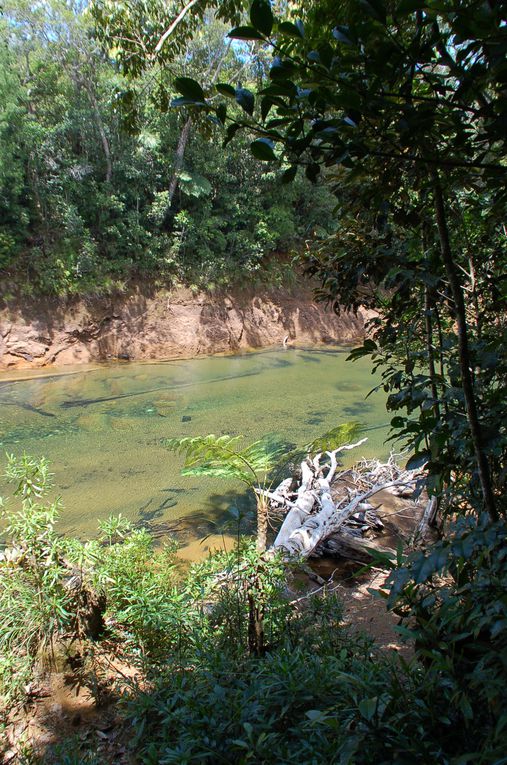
point(218, 515)
point(150, 510)
point(309, 357)
point(89, 401)
point(357, 410)
point(315, 419)
point(279, 363)
point(348, 386)
point(27, 407)
point(227, 514)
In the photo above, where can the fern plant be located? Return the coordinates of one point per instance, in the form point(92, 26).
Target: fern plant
point(221, 457)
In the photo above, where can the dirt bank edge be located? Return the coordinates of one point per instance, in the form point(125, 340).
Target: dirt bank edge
point(148, 324)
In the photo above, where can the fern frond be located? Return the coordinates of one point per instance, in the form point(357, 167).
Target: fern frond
point(333, 439)
point(219, 456)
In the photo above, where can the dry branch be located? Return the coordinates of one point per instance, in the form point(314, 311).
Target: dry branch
point(315, 519)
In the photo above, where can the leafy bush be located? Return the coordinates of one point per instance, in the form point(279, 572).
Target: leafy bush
point(33, 599)
point(454, 598)
point(316, 693)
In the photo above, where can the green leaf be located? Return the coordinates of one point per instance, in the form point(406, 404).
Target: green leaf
point(231, 132)
point(375, 9)
point(335, 438)
point(226, 90)
point(183, 101)
point(312, 171)
point(341, 34)
point(409, 6)
point(245, 99)
point(261, 16)
point(301, 27)
point(266, 105)
point(418, 460)
point(316, 715)
point(245, 33)
point(289, 174)
point(262, 149)
point(368, 707)
point(289, 29)
point(281, 69)
point(189, 88)
point(222, 113)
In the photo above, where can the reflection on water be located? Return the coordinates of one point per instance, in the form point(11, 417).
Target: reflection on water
point(102, 429)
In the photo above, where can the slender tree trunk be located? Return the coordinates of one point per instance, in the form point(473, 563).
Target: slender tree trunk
point(185, 133)
point(178, 159)
point(262, 523)
point(475, 298)
point(464, 351)
point(255, 620)
point(100, 127)
point(428, 308)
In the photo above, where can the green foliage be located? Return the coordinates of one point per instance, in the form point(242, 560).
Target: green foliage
point(320, 695)
point(219, 457)
point(333, 439)
point(453, 600)
point(93, 192)
point(317, 693)
point(144, 608)
point(398, 111)
point(33, 599)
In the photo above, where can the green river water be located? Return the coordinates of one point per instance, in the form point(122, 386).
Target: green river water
point(102, 428)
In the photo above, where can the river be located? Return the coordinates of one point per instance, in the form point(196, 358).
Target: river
point(102, 428)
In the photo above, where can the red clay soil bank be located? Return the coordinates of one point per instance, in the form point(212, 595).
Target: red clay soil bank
point(163, 324)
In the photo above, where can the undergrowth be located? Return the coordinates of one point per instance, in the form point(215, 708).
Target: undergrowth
point(319, 693)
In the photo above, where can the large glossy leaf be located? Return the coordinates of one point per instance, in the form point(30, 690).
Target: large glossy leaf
point(262, 149)
point(375, 8)
point(289, 174)
point(245, 99)
point(182, 101)
point(189, 88)
point(261, 16)
point(289, 29)
point(342, 34)
point(245, 33)
point(226, 90)
point(231, 132)
point(418, 460)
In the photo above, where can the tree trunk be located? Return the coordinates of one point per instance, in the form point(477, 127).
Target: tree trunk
point(100, 127)
point(262, 523)
point(464, 352)
point(255, 620)
point(430, 351)
point(178, 160)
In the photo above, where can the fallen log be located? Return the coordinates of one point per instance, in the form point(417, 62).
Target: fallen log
point(313, 516)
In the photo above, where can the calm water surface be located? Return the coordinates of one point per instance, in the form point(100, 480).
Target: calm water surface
point(102, 429)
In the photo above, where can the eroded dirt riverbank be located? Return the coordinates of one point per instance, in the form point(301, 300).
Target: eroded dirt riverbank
point(163, 324)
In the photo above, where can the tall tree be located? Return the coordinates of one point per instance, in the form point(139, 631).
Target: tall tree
point(408, 99)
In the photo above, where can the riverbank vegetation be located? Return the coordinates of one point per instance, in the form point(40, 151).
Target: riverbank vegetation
point(398, 109)
point(95, 197)
point(171, 649)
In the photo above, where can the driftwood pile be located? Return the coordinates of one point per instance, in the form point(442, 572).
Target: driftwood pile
point(326, 511)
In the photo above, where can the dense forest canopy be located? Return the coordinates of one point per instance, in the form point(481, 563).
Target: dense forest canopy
point(101, 183)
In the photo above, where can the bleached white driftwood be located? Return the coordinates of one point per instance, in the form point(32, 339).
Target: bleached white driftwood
point(302, 530)
point(313, 516)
